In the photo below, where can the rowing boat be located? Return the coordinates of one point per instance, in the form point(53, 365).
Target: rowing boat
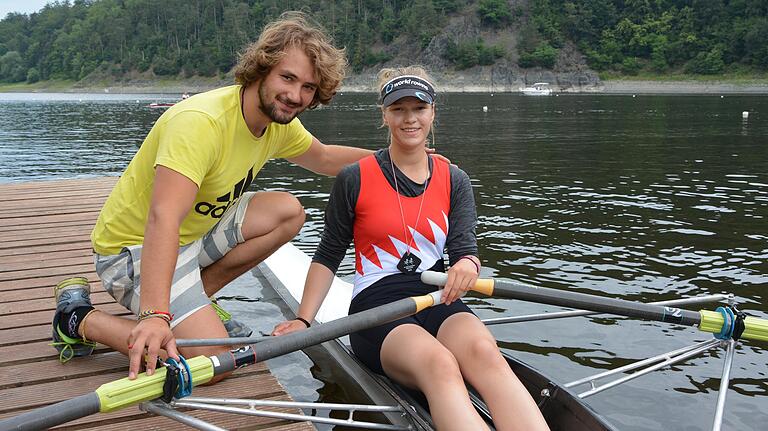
point(285, 271)
point(288, 265)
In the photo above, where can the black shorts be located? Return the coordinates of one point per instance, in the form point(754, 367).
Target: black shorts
point(366, 344)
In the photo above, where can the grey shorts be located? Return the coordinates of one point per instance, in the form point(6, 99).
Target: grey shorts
point(121, 273)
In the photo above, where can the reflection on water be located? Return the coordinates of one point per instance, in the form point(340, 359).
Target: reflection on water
point(645, 198)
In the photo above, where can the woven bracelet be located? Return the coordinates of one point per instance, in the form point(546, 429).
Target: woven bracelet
point(147, 314)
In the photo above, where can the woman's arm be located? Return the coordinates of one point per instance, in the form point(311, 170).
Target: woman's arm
point(316, 286)
point(462, 240)
point(337, 235)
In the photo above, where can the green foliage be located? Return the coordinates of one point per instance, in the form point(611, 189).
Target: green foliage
point(472, 53)
point(544, 56)
point(707, 63)
point(630, 66)
point(699, 36)
point(494, 12)
point(32, 75)
point(12, 67)
point(72, 39)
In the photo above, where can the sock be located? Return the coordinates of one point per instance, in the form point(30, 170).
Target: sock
point(70, 322)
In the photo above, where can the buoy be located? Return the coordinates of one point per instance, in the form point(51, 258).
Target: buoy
point(485, 109)
point(633, 95)
point(745, 115)
point(722, 97)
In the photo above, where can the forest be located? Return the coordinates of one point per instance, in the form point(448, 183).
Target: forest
point(119, 39)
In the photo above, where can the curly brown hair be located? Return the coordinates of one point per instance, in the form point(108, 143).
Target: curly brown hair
point(294, 30)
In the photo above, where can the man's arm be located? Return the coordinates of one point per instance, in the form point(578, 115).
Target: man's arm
point(328, 159)
point(172, 197)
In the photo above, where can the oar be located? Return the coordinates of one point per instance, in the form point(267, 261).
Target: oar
point(707, 321)
point(123, 393)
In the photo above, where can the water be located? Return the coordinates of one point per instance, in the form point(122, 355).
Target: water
point(645, 198)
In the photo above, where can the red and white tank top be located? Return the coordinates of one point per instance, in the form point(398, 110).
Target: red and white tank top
point(378, 230)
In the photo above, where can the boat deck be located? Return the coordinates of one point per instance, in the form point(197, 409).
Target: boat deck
point(44, 238)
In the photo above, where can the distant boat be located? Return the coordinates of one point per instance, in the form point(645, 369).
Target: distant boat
point(538, 89)
point(160, 105)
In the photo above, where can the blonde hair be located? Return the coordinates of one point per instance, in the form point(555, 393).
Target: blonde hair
point(389, 73)
point(294, 30)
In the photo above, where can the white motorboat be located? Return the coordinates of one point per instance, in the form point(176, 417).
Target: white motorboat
point(537, 89)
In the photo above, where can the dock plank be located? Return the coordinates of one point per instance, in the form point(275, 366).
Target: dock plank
point(44, 237)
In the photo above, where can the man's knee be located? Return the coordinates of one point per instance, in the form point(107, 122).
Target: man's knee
point(273, 210)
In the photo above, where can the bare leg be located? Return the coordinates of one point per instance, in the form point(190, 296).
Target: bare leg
point(413, 357)
point(485, 369)
point(113, 331)
point(271, 220)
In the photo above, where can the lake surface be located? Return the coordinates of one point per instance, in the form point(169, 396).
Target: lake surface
point(644, 198)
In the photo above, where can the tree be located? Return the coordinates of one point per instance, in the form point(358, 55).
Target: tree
point(494, 12)
point(544, 56)
point(12, 67)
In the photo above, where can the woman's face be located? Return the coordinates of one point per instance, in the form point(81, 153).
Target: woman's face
point(409, 120)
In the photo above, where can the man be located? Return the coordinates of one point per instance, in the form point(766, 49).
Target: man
point(178, 226)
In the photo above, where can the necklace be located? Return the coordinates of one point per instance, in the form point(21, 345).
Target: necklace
point(409, 262)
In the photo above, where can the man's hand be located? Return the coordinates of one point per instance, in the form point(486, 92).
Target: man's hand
point(433, 152)
point(151, 334)
point(287, 327)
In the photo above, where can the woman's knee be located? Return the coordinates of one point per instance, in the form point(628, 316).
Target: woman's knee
point(440, 364)
point(485, 354)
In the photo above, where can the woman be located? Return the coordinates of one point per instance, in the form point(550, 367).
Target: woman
point(403, 208)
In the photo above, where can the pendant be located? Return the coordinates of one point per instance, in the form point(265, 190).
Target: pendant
point(409, 263)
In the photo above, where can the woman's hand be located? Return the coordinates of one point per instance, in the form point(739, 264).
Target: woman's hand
point(151, 334)
point(287, 327)
point(461, 277)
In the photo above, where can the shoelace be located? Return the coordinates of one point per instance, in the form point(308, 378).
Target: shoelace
point(67, 351)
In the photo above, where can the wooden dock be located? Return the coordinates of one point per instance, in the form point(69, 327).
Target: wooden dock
point(44, 238)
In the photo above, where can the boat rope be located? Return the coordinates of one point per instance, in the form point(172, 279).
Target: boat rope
point(733, 323)
point(178, 379)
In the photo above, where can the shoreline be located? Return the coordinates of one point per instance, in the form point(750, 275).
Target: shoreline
point(757, 87)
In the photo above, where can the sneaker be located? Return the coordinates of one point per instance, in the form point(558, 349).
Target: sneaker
point(234, 328)
point(70, 294)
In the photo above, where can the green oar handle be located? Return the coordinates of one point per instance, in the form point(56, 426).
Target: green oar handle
point(707, 321)
point(755, 328)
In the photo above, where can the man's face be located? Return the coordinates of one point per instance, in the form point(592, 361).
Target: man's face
point(288, 88)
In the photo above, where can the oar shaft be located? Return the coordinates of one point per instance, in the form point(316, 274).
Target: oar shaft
point(564, 298)
point(277, 346)
point(54, 414)
point(707, 321)
point(622, 307)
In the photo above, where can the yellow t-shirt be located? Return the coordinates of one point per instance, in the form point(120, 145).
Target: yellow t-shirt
point(204, 138)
